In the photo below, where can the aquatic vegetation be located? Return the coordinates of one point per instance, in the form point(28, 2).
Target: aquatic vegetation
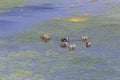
point(108, 3)
point(35, 59)
point(13, 3)
point(4, 11)
point(75, 20)
point(22, 73)
point(2, 43)
point(5, 5)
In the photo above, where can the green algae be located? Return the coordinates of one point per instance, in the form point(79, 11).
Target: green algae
point(101, 30)
point(4, 11)
point(8, 4)
point(12, 3)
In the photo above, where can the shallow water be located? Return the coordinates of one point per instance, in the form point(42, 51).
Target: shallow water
point(23, 56)
point(23, 18)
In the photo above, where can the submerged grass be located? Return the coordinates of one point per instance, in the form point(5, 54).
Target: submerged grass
point(5, 5)
point(75, 20)
point(12, 3)
point(37, 59)
point(30, 63)
point(25, 56)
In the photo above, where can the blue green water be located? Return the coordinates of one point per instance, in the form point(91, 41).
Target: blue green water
point(23, 56)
